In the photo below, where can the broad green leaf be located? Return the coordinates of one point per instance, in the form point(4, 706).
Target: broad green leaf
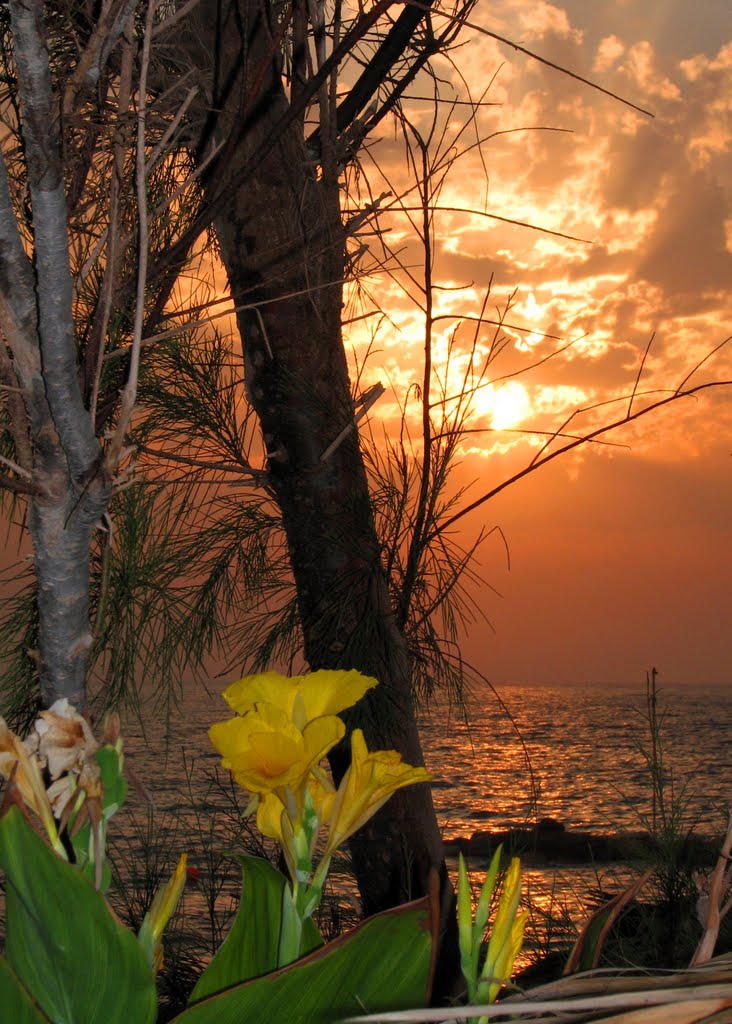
point(384, 964)
point(62, 941)
point(17, 1005)
point(251, 946)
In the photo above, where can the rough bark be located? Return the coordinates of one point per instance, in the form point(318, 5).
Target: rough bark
point(283, 248)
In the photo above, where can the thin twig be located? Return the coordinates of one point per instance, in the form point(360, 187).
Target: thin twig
point(176, 16)
point(129, 392)
point(698, 366)
point(101, 319)
point(201, 463)
point(10, 483)
point(640, 371)
point(171, 129)
point(124, 351)
point(106, 568)
point(369, 398)
point(16, 468)
point(494, 216)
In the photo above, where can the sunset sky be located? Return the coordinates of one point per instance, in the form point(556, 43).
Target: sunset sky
point(620, 557)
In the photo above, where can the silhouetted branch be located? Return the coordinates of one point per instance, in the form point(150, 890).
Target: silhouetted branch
point(542, 60)
point(584, 439)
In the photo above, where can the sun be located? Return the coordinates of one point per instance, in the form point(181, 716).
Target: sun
point(505, 405)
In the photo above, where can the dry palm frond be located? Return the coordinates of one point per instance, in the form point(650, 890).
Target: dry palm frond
point(718, 901)
point(699, 995)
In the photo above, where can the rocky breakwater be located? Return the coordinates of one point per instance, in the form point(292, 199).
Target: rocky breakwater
point(549, 842)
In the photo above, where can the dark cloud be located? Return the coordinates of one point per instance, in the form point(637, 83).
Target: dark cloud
point(599, 262)
point(686, 253)
point(637, 166)
point(608, 371)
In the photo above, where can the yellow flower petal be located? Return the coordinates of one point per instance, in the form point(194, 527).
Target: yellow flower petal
point(161, 910)
point(323, 795)
point(328, 692)
point(264, 688)
point(301, 698)
point(367, 785)
point(269, 817)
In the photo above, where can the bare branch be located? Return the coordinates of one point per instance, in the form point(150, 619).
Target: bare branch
point(162, 147)
point(701, 363)
point(172, 19)
point(18, 425)
point(11, 483)
point(377, 70)
point(24, 473)
point(94, 354)
point(529, 432)
point(219, 467)
point(718, 887)
point(173, 256)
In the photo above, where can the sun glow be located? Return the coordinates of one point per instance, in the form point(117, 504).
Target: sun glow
point(506, 405)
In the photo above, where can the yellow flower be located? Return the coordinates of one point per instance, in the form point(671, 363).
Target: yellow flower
point(302, 698)
point(20, 766)
point(322, 794)
point(271, 807)
point(161, 910)
point(367, 785)
point(506, 935)
point(266, 752)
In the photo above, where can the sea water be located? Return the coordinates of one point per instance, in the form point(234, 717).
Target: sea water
point(509, 757)
point(578, 754)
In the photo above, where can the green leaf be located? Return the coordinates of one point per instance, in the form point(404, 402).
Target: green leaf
point(251, 947)
point(62, 941)
point(384, 964)
point(17, 1004)
point(114, 791)
point(585, 955)
point(114, 784)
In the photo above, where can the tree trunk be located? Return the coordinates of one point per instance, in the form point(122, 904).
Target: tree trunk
point(55, 443)
point(282, 244)
point(61, 553)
